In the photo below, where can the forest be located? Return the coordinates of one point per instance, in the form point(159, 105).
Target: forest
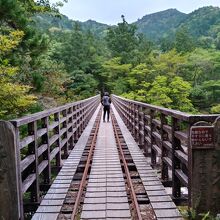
point(47, 60)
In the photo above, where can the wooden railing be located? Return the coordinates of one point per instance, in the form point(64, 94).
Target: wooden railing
point(41, 141)
point(164, 135)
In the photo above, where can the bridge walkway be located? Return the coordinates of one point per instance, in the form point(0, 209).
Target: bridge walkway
point(106, 194)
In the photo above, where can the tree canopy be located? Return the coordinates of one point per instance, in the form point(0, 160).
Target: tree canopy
point(41, 61)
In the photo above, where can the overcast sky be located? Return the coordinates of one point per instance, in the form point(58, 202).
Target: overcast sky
point(110, 11)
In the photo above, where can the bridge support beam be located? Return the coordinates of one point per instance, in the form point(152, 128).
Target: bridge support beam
point(10, 197)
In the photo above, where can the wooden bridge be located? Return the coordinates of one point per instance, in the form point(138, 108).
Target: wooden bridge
point(65, 163)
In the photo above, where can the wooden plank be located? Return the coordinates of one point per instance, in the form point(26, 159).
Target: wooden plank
point(160, 198)
point(58, 191)
point(52, 202)
point(181, 136)
point(163, 205)
point(182, 177)
point(25, 141)
point(59, 186)
point(171, 218)
point(167, 145)
point(55, 196)
point(156, 122)
point(167, 128)
point(45, 216)
point(27, 161)
point(42, 149)
point(182, 156)
point(53, 139)
point(49, 209)
point(41, 132)
point(28, 182)
point(54, 152)
point(157, 149)
point(147, 128)
point(157, 136)
point(168, 161)
point(42, 166)
point(9, 195)
point(167, 213)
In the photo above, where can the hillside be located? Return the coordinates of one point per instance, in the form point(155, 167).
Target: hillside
point(202, 22)
point(47, 21)
point(160, 24)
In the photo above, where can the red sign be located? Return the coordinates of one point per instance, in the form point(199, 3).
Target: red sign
point(202, 137)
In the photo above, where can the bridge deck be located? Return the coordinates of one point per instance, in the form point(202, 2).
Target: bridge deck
point(161, 202)
point(52, 203)
point(106, 196)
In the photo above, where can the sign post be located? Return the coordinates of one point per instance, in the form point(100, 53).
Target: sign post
point(205, 170)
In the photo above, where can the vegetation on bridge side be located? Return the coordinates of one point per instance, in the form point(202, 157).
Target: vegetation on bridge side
point(45, 64)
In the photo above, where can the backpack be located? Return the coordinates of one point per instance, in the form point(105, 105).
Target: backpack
point(106, 101)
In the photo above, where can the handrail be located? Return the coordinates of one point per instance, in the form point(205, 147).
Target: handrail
point(175, 113)
point(164, 135)
point(42, 140)
point(36, 116)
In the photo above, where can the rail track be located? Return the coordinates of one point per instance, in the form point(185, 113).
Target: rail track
point(68, 164)
point(107, 183)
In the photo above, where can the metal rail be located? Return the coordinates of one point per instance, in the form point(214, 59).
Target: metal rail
point(133, 195)
point(85, 173)
point(164, 134)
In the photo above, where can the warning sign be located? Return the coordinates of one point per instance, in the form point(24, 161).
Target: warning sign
point(202, 137)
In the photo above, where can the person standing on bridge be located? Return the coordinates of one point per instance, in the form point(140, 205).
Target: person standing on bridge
point(106, 102)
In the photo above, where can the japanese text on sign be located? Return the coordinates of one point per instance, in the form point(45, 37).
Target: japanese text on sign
point(202, 136)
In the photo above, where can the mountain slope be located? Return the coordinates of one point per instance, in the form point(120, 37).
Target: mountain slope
point(202, 22)
point(160, 24)
point(47, 21)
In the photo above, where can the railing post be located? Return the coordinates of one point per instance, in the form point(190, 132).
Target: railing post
point(33, 149)
point(11, 204)
point(164, 154)
point(141, 127)
point(145, 123)
point(127, 113)
point(64, 126)
point(205, 170)
point(176, 185)
point(152, 126)
point(57, 131)
point(130, 117)
point(70, 130)
point(46, 154)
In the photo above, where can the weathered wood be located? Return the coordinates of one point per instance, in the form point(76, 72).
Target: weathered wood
point(48, 136)
point(205, 184)
point(10, 207)
point(39, 115)
point(56, 195)
point(168, 139)
point(176, 188)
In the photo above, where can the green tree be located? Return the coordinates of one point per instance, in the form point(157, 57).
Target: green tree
point(114, 73)
point(159, 92)
point(184, 42)
point(14, 98)
point(180, 95)
point(123, 41)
